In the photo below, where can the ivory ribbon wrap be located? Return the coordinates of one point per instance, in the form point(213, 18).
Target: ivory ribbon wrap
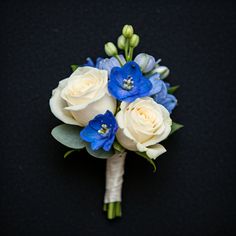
point(114, 177)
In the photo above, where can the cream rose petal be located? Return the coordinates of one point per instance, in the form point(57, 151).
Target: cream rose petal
point(120, 119)
point(57, 105)
point(153, 151)
point(86, 113)
point(125, 141)
point(80, 71)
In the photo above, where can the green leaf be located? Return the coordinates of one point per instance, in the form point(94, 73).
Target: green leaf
point(74, 67)
point(175, 127)
point(143, 154)
point(118, 147)
point(171, 90)
point(100, 153)
point(69, 152)
point(68, 135)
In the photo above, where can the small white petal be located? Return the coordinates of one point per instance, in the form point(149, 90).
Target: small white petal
point(154, 151)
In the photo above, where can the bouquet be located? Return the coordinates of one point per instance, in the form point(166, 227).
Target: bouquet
point(114, 105)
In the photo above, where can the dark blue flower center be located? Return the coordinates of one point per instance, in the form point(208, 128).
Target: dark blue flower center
point(104, 129)
point(128, 83)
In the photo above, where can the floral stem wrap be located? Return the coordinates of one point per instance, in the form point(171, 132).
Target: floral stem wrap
point(114, 177)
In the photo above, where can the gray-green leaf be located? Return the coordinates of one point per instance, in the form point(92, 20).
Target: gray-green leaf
point(143, 154)
point(100, 153)
point(175, 127)
point(74, 67)
point(171, 90)
point(68, 135)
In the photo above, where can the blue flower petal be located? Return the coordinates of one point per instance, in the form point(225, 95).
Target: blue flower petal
point(167, 85)
point(132, 69)
point(95, 124)
point(96, 144)
point(98, 61)
point(117, 76)
point(108, 118)
point(120, 93)
point(144, 87)
point(89, 62)
point(107, 145)
point(156, 84)
point(170, 102)
point(161, 95)
point(89, 134)
point(109, 63)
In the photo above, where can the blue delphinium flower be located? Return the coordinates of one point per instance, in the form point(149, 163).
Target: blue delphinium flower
point(160, 94)
point(127, 83)
point(109, 63)
point(90, 62)
point(100, 131)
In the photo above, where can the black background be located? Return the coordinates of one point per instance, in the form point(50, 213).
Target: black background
point(193, 191)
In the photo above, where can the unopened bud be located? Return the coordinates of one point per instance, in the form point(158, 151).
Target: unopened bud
point(134, 41)
point(110, 49)
point(128, 31)
point(121, 42)
point(163, 71)
point(145, 62)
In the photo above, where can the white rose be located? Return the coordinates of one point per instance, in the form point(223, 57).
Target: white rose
point(142, 125)
point(82, 96)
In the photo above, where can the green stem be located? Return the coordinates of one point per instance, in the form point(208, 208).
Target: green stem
point(119, 60)
point(118, 209)
point(126, 49)
point(131, 50)
point(111, 211)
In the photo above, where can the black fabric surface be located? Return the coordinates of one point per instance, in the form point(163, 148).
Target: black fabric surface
point(193, 190)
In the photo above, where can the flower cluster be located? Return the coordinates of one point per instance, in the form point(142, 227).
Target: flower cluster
point(117, 103)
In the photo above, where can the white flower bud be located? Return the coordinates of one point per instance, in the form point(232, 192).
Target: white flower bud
point(128, 31)
point(121, 42)
point(145, 62)
point(134, 41)
point(162, 70)
point(110, 49)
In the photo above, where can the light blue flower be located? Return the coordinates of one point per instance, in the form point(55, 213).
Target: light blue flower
point(156, 85)
point(127, 83)
point(169, 102)
point(161, 95)
point(145, 61)
point(100, 131)
point(109, 63)
point(105, 63)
